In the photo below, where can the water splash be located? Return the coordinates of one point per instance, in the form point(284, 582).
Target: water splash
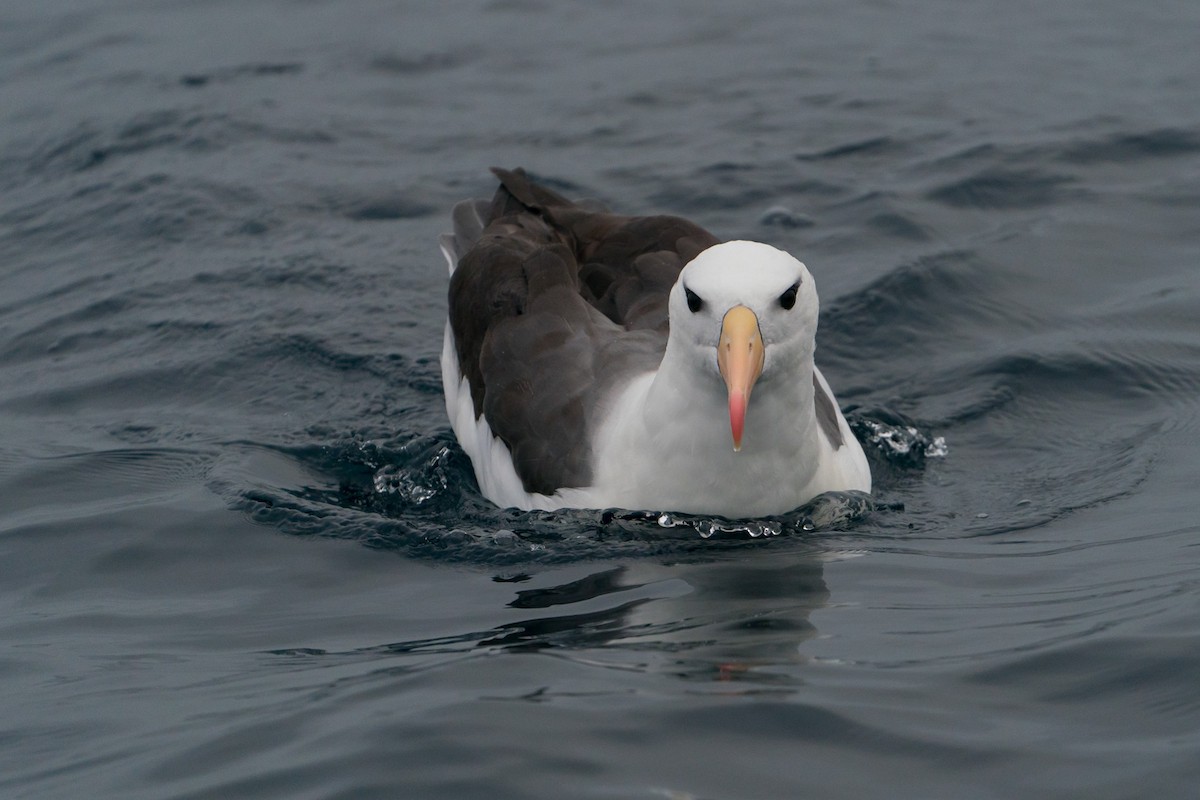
point(418, 496)
point(419, 479)
point(708, 527)
point(829, 511)
point(416, 493)
point(898, 441)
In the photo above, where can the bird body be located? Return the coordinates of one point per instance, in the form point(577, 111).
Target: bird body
point(598, 361)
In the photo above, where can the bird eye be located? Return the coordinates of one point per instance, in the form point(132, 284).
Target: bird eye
point(693, 300)
point(788, 298)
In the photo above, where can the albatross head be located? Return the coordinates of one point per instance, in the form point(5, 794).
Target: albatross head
point(744, 311)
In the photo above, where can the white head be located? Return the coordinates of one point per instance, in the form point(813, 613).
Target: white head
point(743, 311)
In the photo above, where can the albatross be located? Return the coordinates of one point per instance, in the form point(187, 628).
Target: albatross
point(593, 360)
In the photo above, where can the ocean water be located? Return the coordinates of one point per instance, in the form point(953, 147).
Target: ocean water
point(241, 555)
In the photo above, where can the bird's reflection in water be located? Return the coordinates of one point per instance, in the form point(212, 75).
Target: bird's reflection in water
point(740, 618)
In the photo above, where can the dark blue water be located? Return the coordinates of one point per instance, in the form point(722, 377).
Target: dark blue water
point(241, 556)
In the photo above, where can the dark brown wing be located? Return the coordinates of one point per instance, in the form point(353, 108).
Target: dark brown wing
point(552, 307)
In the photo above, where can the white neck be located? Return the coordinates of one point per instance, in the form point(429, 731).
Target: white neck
point(676, 423)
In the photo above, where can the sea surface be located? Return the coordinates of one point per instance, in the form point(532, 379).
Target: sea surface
point(242, 556)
